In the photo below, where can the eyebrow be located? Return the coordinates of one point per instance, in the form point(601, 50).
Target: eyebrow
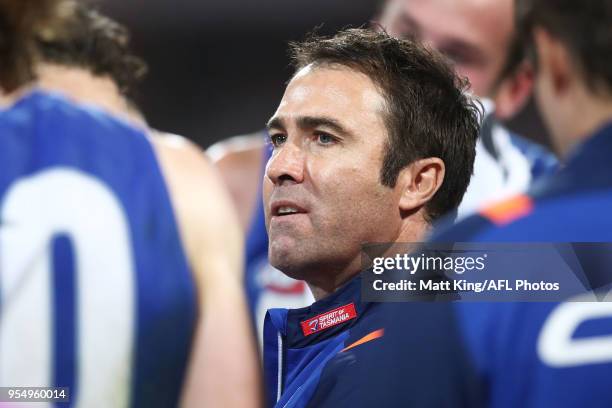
point(310, 122)
point(275, 123)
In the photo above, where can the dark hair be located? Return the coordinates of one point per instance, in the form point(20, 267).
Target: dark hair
point(428, 114)
point(20, 22)
point(584, 27)
point(96, 43)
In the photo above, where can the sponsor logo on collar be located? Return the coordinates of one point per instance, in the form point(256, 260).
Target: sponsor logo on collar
point(329, 319)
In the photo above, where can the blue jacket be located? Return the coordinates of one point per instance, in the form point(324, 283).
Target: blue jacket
point(312, 355)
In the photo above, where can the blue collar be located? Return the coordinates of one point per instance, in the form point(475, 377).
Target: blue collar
point(323, 319)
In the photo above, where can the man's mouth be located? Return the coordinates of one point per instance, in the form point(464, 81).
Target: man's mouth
point(286, 211)
point(283, 209)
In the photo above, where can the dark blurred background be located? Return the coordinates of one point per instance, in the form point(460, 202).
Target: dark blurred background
point(217, 68)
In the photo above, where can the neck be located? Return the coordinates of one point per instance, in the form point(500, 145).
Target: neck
point(601, 114)
point(327, 280)
point(414, 229)
point(82, 86)
point(8, 99)
point(587, 117)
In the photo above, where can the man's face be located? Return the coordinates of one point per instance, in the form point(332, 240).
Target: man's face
point(322, 192)
point(474, 34)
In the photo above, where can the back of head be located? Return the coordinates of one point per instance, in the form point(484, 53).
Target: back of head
point(21, 21)
point(97, 44)
point(427, 113)
point(584, 27)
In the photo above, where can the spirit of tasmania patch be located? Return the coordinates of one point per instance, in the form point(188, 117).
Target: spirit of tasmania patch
point(329, 319)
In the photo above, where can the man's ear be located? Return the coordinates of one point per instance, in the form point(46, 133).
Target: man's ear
point(514, 91)
point(419, 182)
point(554, 60)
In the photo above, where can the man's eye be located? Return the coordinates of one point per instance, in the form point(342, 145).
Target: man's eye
point(456, 59)
point(324, 138)
point(278, 139)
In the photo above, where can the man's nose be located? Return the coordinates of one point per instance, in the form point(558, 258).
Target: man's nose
point(286, 165)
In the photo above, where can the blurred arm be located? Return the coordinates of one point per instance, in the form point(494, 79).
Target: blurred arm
point(224, 368)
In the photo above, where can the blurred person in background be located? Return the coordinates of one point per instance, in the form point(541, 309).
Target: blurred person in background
point(115, 230)
point(479, 38)
point(374, 139)
point(534, 354)
point(477, 35)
